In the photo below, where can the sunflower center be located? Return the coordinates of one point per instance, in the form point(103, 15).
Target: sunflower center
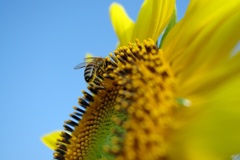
point(129, 113)
point(148, 100)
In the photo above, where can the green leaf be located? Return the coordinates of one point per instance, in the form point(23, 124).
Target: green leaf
point(170, 25)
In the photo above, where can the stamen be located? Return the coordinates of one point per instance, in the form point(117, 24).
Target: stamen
point(109, 69)
point(123, 55)
point(79, 109)
point(71, 123)
point(83, 103)
point(130, 60)
point(78, 114)
point(121, 59)
point(67, 128)
point(93, 90)
point(113, 58)
point(63, 140)
point(75, 117)
point(108, 76)
point(98, 87)
point(62, 147)
point(88, 96)
point(130, 55)
point(58, 156)
point(120, 72)
point(60, 151)
point(65, 135)
point(114, 65)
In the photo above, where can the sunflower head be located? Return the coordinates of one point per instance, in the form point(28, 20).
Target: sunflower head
point(117, 117)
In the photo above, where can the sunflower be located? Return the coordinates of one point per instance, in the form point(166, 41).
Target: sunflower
point(176, 100)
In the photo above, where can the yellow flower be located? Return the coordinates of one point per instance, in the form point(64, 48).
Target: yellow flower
point(152, 19)
point(50, 139)
point(179, 101)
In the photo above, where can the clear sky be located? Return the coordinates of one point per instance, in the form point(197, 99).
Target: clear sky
point(40, 43)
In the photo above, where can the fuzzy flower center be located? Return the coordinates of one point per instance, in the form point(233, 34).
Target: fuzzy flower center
point(130, 111)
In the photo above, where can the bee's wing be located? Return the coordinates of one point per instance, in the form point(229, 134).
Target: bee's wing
point(87, 60)
point(80, 65)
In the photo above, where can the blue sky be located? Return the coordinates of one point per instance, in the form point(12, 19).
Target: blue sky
point(40, 43)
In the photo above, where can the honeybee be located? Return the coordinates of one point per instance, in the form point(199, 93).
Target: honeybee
point(93, 69)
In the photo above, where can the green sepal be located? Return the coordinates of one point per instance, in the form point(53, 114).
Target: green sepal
point(170, 25)
point(157, 42)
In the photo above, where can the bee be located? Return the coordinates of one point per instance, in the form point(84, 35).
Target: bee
point(93, 69)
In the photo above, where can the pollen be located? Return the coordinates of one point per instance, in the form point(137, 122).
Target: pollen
point(129, 114)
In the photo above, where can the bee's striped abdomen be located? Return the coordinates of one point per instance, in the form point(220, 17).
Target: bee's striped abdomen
point(89, 71)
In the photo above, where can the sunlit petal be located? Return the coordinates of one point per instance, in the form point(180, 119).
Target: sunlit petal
point(212, 79)
point(122, 24)
point(212, 132)
point(50, 139)
point(153, 18)
point(215, 25)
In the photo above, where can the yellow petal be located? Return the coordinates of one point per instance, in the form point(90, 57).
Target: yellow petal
point(213, 132)
point(204, 38)
point(122, 24)
point(212, 79)
point(50, 139)
point(153, 18)
point(87, 57)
